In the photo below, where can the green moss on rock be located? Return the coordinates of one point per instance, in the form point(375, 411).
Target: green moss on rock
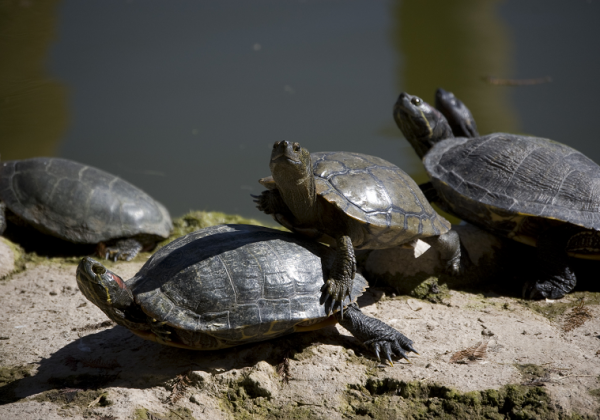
point(9, 379)
point(389, 398)
point(555, 309)
point(75, 398)
point(243, 403)
point(196, 220)
point(179, 413)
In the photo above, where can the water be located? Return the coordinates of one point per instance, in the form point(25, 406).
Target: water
point(185, 98)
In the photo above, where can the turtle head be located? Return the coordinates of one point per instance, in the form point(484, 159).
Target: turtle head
point(458, 115)
point(422, 125)
point(290, 160)
point(102, 287)
point(291, 168)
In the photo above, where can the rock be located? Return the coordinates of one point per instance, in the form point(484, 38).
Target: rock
point(261, 382)
point(10, 255)
point(200, 378)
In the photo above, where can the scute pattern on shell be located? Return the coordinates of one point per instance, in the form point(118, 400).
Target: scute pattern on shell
point(516, 176)
point(79, 203)
point(377, 194)
point(238, 283)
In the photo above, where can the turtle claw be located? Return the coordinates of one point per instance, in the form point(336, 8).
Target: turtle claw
point(338, 290)
point(125, 249)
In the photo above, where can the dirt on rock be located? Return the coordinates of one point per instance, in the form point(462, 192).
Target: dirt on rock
point(481, 356)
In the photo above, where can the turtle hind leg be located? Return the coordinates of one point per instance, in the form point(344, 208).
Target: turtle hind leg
point(452, 252)
point(555, 278)
point(375, 334)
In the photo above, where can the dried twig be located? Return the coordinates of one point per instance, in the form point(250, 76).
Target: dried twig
point(283, 368)
point(516, 82)
point(181, 383)
point(577, 317)
point(472, 354)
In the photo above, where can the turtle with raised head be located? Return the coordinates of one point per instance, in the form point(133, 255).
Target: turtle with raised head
point(530, 189)
point(357, 201)
point(457, 114)
point(81, 204)
point(228, 285)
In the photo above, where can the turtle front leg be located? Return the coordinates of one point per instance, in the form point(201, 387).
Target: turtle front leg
point(271, 202)
point(452, 252)
point(124, 249)
point(555, 278)
point(343, 270)
point(375, 334)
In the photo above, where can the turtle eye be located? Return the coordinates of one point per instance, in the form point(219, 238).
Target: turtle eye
point(98, 269)
point(277, 143)
point(296, 147)
point(416, 101)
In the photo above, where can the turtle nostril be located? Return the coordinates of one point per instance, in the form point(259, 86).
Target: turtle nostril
point(98, 269)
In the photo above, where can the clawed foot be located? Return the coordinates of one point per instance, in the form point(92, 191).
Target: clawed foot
point(543, 290)
point(124, 250)
point(393, 344)
point(268, 201)
point(339, 285)
point(159, 330)
point(552, 287)
point(335, 293)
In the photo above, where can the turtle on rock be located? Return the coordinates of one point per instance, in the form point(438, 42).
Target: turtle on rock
point(355, 201)
point(227, 285)
point(81, 204)
point(530, 189)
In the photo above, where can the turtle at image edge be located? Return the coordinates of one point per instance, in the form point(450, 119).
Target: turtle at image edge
point(81, 204)
point(533, 190)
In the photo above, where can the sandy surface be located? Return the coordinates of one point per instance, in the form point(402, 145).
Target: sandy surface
point(84, 367)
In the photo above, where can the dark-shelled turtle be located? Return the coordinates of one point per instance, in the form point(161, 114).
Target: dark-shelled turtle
point(533, 190)
point(359, 201)
point(457, 114)
point(82, 205)
point(228, 285)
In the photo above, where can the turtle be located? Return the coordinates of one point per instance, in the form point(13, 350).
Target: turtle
point(356, 201)
point(228, 285)
point(457, 114)
point(530, 189)
point(81, 204)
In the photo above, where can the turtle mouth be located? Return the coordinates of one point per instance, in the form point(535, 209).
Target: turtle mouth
point(285, 158)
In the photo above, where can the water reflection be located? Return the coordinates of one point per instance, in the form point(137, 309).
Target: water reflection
point(33, 106)
point(185, 99)
point(453, 44)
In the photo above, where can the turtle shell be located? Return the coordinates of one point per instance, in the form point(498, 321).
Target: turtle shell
point(383, 199)
point(236, 284)
point(516, 185)
point(79, 203)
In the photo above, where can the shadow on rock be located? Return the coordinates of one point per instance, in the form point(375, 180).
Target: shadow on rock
point(117, 358)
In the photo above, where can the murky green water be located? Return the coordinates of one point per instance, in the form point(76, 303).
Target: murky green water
point(185, 98)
